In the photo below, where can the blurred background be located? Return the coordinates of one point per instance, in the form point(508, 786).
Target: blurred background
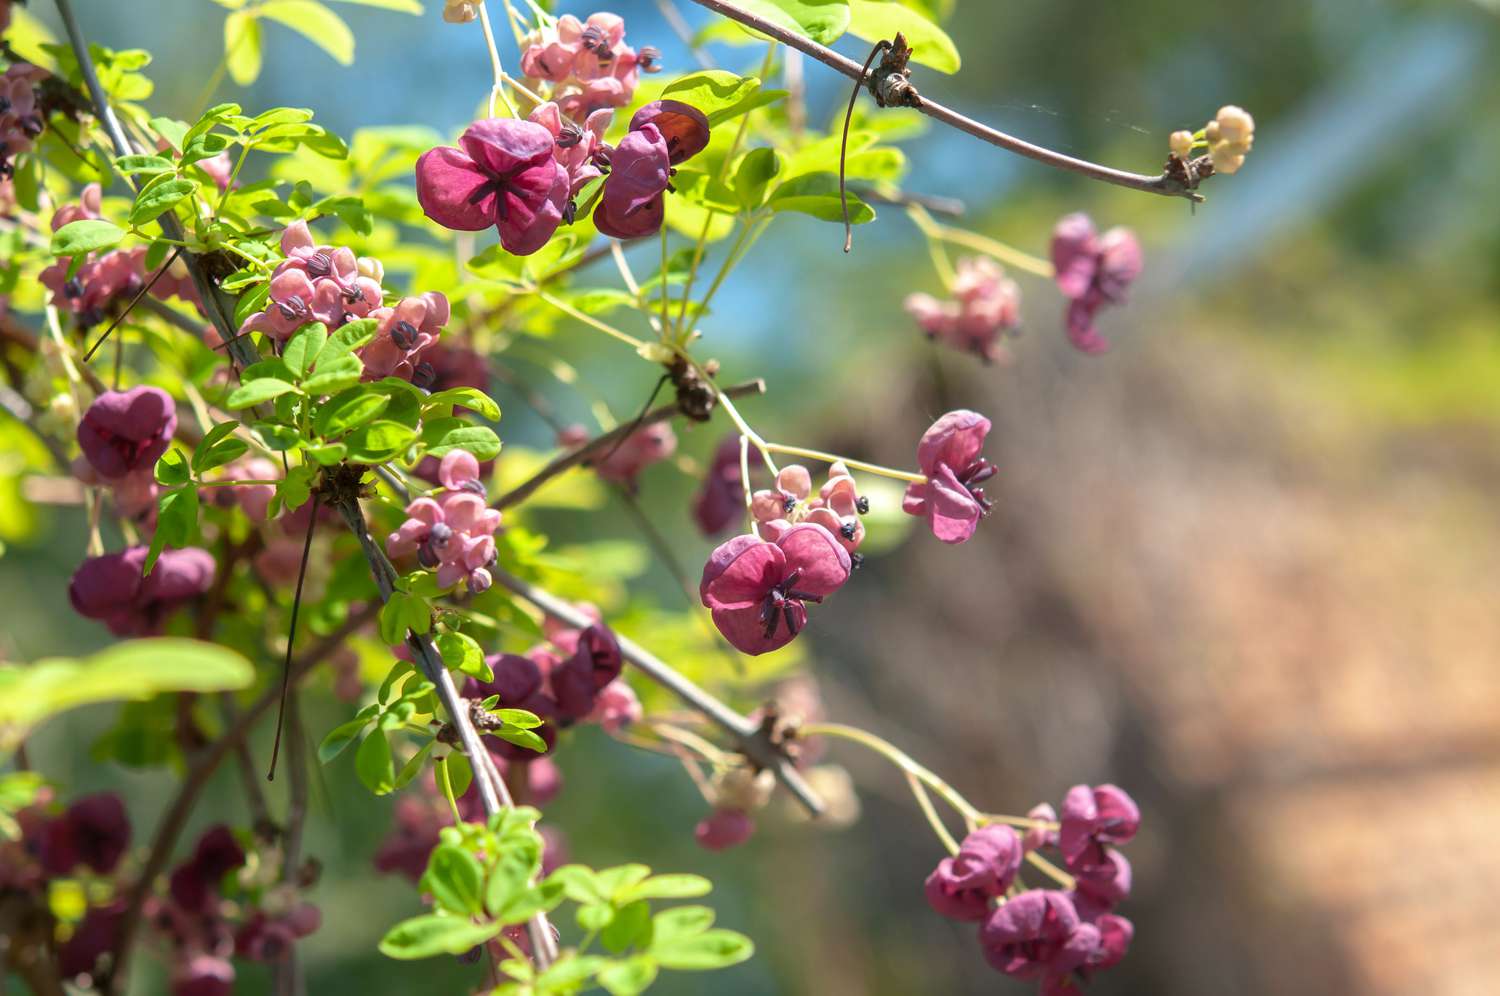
point(1244, 564)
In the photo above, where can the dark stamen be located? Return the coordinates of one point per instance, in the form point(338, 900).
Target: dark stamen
point(862, 505)
point(319, 265)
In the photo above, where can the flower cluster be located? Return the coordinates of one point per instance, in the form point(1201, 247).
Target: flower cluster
point(587, 62)
point(952, 499)
point(454, 532)
point(110, 588)
point(623, 462)
point(20, 118)
point(1092, 271)
point(836, 508)
point(1229, 137)
point(521, 176)
point(105, 277)
point(986, 306)
point(1056, 938)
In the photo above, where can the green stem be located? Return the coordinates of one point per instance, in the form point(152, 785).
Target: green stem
point(447, 785)
point(589, 320)
point(869, 468)
point(928, 810)
point(900, 759)
point(1009, 255)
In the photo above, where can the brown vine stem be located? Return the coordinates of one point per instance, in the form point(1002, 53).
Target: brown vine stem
point(1161, 184)
point(492, 791)
point(602, 443)
point(176, 815)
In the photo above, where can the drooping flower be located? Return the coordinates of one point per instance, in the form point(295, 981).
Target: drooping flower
point(92, 938)
point(111, 589)
point(663, 134)
point(758, 590)
point(1106, 885)
point(1091, 819)
point(124, 432)
point(616, 707)
point(723, 829)
point(962, 886)
point(104, 279)
point(194, 884)
point(574, 145)
point(1092, 271)
point(266, 938)
point(314, 283)
point(623, 462)
point(94, 831)
point(1038, 936)
point(721, 499)
point(505, 175)
point(986, 306)
point(20, 117)
point(577, 682)
point(1037, 837)
point(952, 498)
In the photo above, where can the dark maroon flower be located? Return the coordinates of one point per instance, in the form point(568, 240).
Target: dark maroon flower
point(405, 851)
point(758, 589)
point(95, 831)
point(1038, 935)
point(724, 828)
point(576, 683)
point(1092, 818)
point(1106, 885)
point(110, 588)
point(126, 431)
point(721, 499)
point(93, 936)
point(1092, 271)
point(195, 883)
point(952, 498)
point(504, 175)
point(962, 886)
point(270, 939)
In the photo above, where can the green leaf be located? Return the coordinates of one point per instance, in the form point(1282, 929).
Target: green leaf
point(305, 344)
point(463, 654)
point(172, 468)
point(821, 20)
point(477, 439)
point(242, 47)
point(877, 20)
point(468, 397)
point(273, 367)
point(256, 391)
point(203, 147)
point(212, 438)
point(426, 936)
point(679, 923)
point(328, 454)
point(631, 927)
point(595, 916)
point(295, 488)
point(817, 194)
point(414, 765)
point(379, 441)
point(455, 879)
point(158, 197)
point(628, 977)
point(340, 737)
point(373, 763)
point(614, 881)
point(580, 884)
point(335, 375)
point(523, 738)
point(316, 23)
point(171, 129)
point(89, 235)
point(131, 670)
point(570, 972)
point(720, 95)
point(702, 952)
point(678, 886)
point(176, 523)
point(460, 773)
point(144, 164)
point(346, 410)
point(520, 718)
point(754, 176)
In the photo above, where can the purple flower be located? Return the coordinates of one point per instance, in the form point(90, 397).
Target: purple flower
point(315, 283)
point(623, 462)
point(663, 134)
point(1092, 271)
point(1104, 886)
point(962, 886)
point(94, 831)
point(403, 336)
point(986, 306)
point(521, 684)
point(504, 175)
point(595, 663)
point(195, 883)
point(1038, 935)
point(724, 828)
point(721, 499)
point(951, 498)
point(94, 936)
point(203, 975)
point(757, 589)
point(126, 431)
point(615, 707)
point(455, 531)
point(1092, 818)
point(111, 589)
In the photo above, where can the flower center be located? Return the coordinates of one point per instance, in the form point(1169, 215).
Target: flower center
point(319, 265)
point(781, 602)
point(976, 473)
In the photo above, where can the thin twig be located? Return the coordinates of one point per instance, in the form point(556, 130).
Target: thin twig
point(582, 454)
point(291, 636)
point(1161, 184)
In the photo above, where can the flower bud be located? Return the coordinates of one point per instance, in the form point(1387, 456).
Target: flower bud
point(369, 266)
point(1181, 144)
point(1235, 125)
point(742, 788)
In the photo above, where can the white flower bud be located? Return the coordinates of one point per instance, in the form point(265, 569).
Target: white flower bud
point(742, 788)
point(370, 267)
point(1235, 125)
point(1226, 159)
point(1181, 144)
point(460, 11)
